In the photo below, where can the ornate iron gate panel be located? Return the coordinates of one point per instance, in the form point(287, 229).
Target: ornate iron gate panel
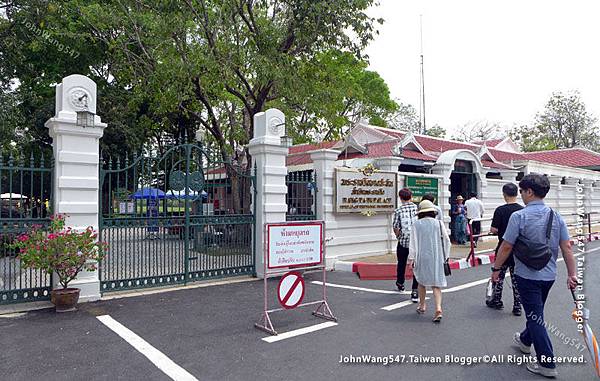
point(175, 217)
point(25, 199)
point(301, 196)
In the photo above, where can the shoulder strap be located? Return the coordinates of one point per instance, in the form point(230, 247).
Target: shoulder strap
point(442, 239)
point(549, 224)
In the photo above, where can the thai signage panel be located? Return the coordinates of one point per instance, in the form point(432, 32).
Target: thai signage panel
point(367, 191)
point(294, 244)
point(420, 186)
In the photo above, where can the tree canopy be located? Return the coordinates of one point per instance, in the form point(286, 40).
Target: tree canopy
point(169, 67)
point(564, 123)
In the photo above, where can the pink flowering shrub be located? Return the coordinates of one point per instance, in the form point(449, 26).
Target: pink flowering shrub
point(60, 251)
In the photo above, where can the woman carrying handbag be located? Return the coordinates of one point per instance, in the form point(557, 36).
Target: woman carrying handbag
point(430, 248)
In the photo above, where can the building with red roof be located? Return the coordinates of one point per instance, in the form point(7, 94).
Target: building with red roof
point(466, 165)
point(370, 142)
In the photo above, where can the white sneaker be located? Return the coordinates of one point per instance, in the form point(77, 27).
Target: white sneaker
point(546, 372)
point(524, 348)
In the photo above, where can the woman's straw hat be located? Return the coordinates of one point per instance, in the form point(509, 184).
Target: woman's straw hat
point(426, 206)
point(459, 197)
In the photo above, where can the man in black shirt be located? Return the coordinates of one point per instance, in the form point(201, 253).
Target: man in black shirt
point(499, 223)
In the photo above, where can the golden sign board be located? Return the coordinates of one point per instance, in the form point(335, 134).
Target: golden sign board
point(367, 191)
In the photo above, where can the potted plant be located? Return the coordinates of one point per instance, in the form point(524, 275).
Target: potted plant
point(62, 252)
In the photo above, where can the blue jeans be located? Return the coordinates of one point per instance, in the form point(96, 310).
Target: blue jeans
point(533, 297)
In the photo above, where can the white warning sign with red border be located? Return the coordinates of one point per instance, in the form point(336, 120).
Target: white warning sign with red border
point(290, 291)
point(294, 244)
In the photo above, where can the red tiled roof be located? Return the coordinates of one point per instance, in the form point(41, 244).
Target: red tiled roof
point(298, 154)
point(571, 157)
point(394, 133)
point(311, 147)
point(489, 143)
point(491, 164)
point(432, 144)
point(506, 156)
point(384, 149)
point(298, 159)
point(574, 157)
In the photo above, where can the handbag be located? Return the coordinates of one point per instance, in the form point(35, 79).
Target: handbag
point(447, 270)
point(534, 255)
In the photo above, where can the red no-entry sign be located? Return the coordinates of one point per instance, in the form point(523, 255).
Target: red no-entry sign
point(293, 245)
point(290, 291)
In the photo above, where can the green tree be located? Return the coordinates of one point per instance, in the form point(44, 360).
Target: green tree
point(436, 131)
point(42, 41)
point(164, 67)
point(564, 123)
point(221, 62)
point(337, 93)
point(404, 118)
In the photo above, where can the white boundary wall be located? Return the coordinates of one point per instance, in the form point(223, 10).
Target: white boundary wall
point(353, 235)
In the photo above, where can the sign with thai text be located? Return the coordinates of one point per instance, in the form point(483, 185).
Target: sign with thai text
point(294, 244)
point(420, 186)
point(367, 191)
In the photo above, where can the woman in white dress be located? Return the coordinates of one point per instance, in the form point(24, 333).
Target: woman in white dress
point(430, 247)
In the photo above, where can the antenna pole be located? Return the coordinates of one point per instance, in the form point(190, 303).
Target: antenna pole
point(422, 100)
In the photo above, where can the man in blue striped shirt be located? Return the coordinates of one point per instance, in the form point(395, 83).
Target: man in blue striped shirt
point(534, 285)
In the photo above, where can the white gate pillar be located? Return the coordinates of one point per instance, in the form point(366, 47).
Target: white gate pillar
point(268, 155)
point(76, 160)
point(324, 167)
point(444, 201)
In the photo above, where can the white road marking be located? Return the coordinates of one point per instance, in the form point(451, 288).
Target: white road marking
point(162, 362)
point(405, 303)
point(362, 288)
point(298, 332)
point(395, 306)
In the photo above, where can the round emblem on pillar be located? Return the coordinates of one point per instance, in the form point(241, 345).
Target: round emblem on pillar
point(79, 98)
point(276, 125)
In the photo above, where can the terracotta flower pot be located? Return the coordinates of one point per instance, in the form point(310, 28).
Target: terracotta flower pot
point(65, 299)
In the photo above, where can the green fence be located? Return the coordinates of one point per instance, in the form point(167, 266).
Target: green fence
point(174, 217)
point(25, 199)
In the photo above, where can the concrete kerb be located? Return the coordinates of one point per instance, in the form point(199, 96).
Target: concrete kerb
point(10, 309)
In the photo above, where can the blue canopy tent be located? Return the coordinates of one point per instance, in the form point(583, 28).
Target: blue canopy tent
point(148, 193)
point(151, 195)
point(192, 195)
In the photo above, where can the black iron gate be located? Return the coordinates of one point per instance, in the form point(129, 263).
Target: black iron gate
point(174, 217)
point(25, 200)
point(301, 197)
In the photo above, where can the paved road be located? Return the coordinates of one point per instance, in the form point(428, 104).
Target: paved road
point(209, 333)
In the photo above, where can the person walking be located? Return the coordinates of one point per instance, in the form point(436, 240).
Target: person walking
point(460, 222)
point(430, 247)
point(475, 210)
point(404, 217)
point(430, 197)
point(534, 235)
point(499, 223)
